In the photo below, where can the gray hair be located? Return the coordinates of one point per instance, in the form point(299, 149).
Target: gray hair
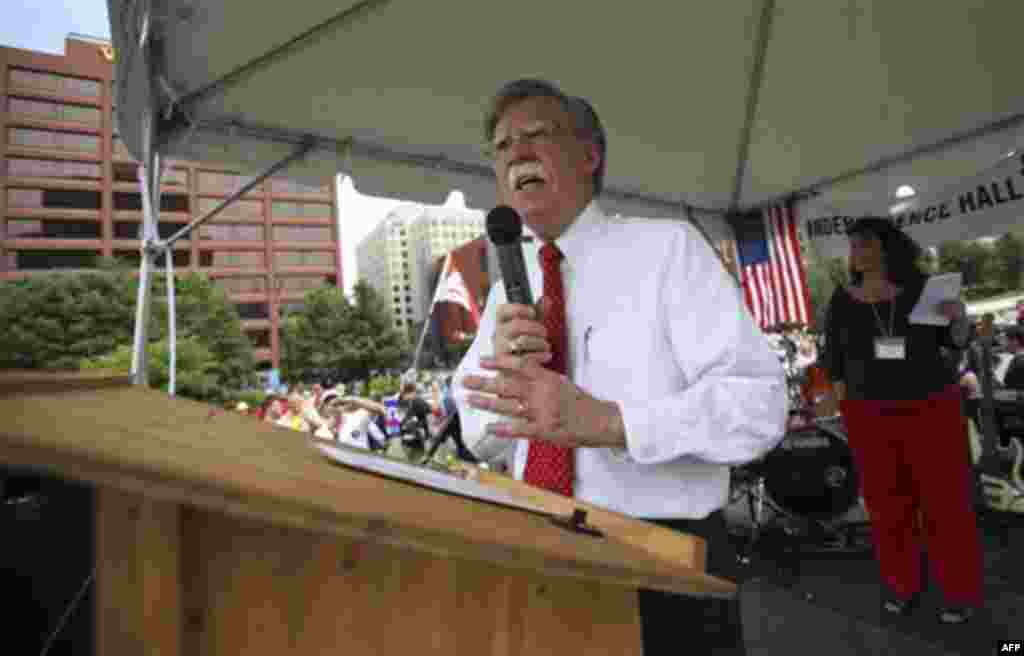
point(584, 117)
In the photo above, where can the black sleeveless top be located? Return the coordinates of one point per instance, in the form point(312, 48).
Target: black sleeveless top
point(851, 328)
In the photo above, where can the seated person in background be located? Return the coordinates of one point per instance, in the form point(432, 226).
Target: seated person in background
point(1014, 376)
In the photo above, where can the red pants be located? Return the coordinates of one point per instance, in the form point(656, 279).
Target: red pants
point(913, 461)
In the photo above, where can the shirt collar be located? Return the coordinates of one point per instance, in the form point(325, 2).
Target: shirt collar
point(574, 241)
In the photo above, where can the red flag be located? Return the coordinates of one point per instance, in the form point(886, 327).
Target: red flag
point(771, 268)
point(451, 288)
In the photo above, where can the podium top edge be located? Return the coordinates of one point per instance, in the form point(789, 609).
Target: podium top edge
point(15, 382)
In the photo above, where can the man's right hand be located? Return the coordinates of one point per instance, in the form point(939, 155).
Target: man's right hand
point(519, 332)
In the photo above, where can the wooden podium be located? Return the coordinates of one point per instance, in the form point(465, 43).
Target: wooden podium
point(219, 534)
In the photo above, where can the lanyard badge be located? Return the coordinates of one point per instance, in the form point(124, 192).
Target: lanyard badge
point(889, 347)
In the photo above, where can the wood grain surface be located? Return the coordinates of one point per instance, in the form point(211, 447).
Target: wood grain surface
point(139, 440)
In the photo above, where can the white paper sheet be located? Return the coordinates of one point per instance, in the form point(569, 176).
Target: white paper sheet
point(938, 288)
point(422, 476)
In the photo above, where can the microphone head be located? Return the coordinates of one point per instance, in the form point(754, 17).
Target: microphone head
point(504, 225)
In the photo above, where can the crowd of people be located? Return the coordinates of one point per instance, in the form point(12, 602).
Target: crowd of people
point(345, 414)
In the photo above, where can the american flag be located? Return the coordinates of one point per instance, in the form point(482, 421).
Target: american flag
point(771, 267)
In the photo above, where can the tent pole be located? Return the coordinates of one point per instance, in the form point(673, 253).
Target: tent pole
point(754, 93)
point(150, 188)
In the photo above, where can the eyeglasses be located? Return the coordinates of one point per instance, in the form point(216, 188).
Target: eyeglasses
point(540, 134)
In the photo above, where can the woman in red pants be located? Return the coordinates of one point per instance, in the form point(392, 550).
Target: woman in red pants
point(901, 407)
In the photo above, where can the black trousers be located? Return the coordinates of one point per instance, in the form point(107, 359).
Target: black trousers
point(674, 624)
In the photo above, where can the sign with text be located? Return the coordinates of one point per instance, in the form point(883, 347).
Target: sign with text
point(988, 204)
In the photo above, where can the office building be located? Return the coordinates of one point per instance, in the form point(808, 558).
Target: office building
point(69, 193)
point(398, 257)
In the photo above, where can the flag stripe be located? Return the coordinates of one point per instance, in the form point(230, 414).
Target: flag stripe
point(776, 290)
point(784, 262)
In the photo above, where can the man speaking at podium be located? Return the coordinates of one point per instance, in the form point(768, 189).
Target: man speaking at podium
point(639, 378)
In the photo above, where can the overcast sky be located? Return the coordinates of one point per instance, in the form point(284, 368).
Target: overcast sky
point(42, 25)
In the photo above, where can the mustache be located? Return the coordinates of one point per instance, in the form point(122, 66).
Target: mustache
point(523, 160)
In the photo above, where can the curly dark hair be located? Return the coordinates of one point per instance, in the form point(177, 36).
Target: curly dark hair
point(900, 252)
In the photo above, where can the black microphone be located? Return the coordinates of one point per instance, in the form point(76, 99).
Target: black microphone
point(505, 230)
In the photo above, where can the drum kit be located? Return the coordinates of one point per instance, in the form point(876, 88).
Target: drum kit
point(807, 489)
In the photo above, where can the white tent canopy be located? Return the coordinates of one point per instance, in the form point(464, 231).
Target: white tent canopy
point(708, 105)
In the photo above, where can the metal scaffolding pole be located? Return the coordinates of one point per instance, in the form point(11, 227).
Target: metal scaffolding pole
point(150, 250)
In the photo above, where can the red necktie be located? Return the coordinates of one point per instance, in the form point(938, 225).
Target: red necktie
point(548, 465)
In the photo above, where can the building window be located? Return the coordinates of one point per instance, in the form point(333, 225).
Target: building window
point(259, 338)
point(74, 199)
point(129, 172)
point(48, 259)
point(284, 186)
point(252, 310)
point(239, 209)
point(133, 230)
point(56, 229)
point(56, 84)
point(53, 140)
point(303, 258)
point(243, 284)
point(234, 259)
point(282, 209)
point(302, 233)
point(55, 111)
point(231, 232)
point(212, 182)
point(300, 283)
point(21, 167)
point(130, 201)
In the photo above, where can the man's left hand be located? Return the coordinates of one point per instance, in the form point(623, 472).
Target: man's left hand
point(543, 405)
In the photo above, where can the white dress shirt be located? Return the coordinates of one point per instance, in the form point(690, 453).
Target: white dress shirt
point(655, 325)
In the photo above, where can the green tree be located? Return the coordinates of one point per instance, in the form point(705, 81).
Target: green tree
point(329, 334)
point(194, 372)
point(59, 320)
point(204, 311)
point(976, 259)
point(1009, 255)
point(382, 385)
point(53, 321)
point(823, 276)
